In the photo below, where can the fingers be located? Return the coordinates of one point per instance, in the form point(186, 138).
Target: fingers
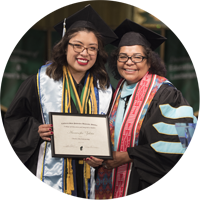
point(93, 161)
point(45, 131)
point(97, 160)
point(107, 164)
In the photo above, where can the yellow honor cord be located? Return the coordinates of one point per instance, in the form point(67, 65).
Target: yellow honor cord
point(75, 92)
point(70, 178)
point(87, 90)
point(63, 86)
point(93, 97)
point(86, 177)
point(90, 98)
point(89, 102)
point(87, 171)
point(80, 162)
point(67, 92)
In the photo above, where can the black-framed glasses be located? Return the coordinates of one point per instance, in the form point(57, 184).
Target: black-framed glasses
point(80, 48)
point(136, 58)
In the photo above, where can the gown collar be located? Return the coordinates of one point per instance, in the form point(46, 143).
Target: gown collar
point(127, 90)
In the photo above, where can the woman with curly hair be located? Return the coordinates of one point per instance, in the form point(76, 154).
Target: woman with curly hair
point(144, 111)
point(154, 60)
point(74, 81)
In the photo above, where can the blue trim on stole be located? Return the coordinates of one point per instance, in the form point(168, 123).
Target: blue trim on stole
point(97, 98)
point(52, 167)
point(40, 91)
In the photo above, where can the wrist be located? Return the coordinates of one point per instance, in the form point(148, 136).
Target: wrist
point(124, 157)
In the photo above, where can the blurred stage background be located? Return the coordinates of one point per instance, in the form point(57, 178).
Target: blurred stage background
point(27, 37)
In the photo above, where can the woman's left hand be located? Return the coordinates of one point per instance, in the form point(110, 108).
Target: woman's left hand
point(119, 158)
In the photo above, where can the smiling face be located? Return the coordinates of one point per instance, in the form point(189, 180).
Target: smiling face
point(129, 70)
point(79, 63)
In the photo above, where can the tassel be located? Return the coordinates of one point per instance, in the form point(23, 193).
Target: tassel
point(64, 28)
point(70, 179)
point(87, 175)
point(80, 162)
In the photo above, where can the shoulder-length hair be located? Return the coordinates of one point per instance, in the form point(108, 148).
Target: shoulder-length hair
point(157, 66)
point(58, 58)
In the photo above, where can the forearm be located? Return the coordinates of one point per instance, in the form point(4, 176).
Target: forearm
point(119, 158)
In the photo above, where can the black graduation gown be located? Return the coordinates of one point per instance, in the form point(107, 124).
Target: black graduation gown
point(148, 165)
point(21, 124)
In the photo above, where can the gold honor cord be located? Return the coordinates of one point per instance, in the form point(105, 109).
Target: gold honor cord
point(69, 183)
point(79, 102)
point(69, 91)
point(93, 99)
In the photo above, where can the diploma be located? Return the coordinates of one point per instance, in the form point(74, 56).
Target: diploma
point(80, 135)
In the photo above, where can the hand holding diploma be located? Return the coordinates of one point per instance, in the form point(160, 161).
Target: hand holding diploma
point(45, 131)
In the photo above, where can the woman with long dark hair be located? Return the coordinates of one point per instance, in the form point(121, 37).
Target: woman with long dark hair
point(77, 68)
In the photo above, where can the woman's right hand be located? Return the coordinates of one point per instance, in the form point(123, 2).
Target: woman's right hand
point(93, 162)
point(45, 131)
point(119, 158)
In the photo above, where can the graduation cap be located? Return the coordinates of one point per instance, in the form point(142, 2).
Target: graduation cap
point(129, 33)
point(87, 17)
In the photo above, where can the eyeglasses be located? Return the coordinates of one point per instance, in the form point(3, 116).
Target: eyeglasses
point(136, 58)
point(79, 48)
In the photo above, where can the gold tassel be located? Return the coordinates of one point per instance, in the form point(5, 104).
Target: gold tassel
point(80, 162)
point(70, 180)
point(86, 180)
point(87, 175)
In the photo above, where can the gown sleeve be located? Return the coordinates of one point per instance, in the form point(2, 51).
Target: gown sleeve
point(21, 123)
point(159, 148)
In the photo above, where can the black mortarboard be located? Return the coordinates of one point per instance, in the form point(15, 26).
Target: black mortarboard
point(129, 33)
point(87, 17)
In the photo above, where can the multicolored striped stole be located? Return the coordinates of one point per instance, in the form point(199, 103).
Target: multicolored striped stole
point(140, 100)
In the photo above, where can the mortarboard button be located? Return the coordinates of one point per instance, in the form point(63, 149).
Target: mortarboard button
point(87, 17)
point(129, 33)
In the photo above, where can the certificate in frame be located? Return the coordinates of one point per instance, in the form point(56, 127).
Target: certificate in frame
point(80, 135)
